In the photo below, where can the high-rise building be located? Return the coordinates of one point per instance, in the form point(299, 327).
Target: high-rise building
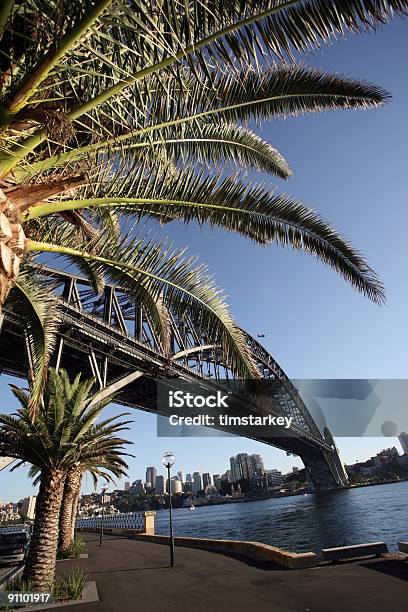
point(234, 467)
point(206, 480)
point(188, 486)
point(160, 484)
point(241, 467)
point(257, 465)
point(217, 481)
point(197, 482)
point(151, 474)
point(176, 486)
point(189, 478)
point(28, 507)
point(244, 462)
point(180, 474)
point(137, 487)
point(403, 440)
point(127, 486)
point(274, 478)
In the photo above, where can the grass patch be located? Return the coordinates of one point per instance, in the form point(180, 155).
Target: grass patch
point(76, 548)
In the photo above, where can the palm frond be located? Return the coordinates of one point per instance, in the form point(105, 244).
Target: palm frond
point(241, 95)
point(228, 97)
point(32, 299)
point(233, 204)
point(135, 38)
point(178, 283)
point(120, 93)
point(63, 433)
point(202, 142)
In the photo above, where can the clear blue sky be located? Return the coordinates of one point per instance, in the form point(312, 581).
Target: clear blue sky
point(352, 166)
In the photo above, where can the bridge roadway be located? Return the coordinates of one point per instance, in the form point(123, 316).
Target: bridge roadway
point(109, 337)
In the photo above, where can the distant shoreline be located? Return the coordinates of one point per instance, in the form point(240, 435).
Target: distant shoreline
point(294, 494)
point(374, 484)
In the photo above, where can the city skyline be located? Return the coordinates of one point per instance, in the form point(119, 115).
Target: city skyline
point(248, 476)
point(199, 481)
point(401, 441)
point(186, 473)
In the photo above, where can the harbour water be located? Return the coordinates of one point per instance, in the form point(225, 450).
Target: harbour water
point(303, 523)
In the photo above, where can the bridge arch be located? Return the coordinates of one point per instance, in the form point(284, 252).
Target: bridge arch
point(109, 337)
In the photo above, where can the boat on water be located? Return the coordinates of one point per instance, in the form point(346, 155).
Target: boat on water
point(192, 507)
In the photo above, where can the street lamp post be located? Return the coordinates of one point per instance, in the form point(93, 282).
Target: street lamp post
point(103, 515)
point(168, 460)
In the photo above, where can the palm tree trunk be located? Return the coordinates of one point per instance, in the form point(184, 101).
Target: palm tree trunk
point(68, 507)
point(75, 508)
point(40, 564)
point(12, 236)
point(12, 245)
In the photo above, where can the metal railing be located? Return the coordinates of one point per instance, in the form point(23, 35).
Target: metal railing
point(15, 527)
point(131, 520)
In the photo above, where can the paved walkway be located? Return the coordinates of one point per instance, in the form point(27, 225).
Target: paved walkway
point(134, 575)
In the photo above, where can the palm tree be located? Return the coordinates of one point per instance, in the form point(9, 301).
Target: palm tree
point(69, 506)
point(63, 435)
point(103, 464)
point(107, 464)
point(113, 109)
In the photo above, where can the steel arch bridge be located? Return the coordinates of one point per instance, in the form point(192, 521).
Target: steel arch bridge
point(109, 337)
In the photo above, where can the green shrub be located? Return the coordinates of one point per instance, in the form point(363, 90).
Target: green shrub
point(69, 586)
point(16, 585)
point(76, 548)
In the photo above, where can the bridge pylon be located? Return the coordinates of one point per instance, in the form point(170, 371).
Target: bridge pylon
point(324, 469)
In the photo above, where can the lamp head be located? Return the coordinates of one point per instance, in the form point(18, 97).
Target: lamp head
point(168, 459)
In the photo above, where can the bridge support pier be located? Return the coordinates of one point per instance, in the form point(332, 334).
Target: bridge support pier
point(324, 469)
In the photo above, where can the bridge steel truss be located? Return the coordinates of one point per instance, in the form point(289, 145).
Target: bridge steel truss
point(110, 338)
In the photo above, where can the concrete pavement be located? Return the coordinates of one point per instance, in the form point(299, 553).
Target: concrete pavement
point(135, 575)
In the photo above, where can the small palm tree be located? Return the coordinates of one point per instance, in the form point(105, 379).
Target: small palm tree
point(106, 462)
point(72, 491)
point(118, 108)
point(63, 435)
point(105, 465)
point(67, 515)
